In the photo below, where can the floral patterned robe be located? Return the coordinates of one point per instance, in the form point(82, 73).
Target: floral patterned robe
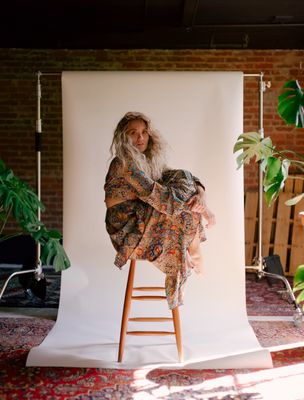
point(153, 221)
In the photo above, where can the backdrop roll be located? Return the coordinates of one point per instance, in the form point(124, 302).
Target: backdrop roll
point(200, 115)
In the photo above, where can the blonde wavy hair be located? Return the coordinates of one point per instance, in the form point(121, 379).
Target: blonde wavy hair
point(153, 160)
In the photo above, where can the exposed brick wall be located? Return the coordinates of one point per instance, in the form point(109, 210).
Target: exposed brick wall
point(18, 70)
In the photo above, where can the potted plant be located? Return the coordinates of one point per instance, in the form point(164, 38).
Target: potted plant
point(18, 200)
point(276, 164)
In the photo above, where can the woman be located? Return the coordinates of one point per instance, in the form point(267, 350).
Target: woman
point(153, 213)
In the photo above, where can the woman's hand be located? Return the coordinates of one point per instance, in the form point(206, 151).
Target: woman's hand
point(209, 217)
point(198, 204)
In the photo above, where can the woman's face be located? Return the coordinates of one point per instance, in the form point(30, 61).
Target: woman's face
point(137, 132)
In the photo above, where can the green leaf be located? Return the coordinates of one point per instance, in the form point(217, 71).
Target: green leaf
point(17, 196)
point(54, 254)
point(291, 104)
point(253, 146)
point(300, 286)
point(293, 84)
point(273, 168)
point(55, 234)
point(300, 297)
point(38, 235)
point(271, 194)
point(275, 177)
point(299, 275)
point(294, 200)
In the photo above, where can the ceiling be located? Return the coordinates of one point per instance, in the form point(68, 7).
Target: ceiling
point(163, 24)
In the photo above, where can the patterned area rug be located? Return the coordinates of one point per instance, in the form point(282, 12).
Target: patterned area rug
point(278, 333)
point(261, 298)
point(283, 382)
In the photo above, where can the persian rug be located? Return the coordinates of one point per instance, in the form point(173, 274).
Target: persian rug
point(262, 299)
point(283, 382)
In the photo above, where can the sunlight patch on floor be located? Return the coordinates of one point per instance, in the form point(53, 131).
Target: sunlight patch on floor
point(282, 383)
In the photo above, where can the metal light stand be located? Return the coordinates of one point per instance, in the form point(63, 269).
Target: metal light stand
point(259, 260)
point(38, 147)
point(38, 269)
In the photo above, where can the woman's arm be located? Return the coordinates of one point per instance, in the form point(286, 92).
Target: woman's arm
point(116, 189)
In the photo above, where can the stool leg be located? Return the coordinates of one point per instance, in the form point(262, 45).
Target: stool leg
point(178, 335)
point(126, 310)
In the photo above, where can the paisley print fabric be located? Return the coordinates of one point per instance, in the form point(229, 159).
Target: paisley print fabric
point(153, 221)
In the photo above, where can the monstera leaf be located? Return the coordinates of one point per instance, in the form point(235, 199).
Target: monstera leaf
point(253, 146)
point(275, 167)
point(291, 104)
point(18, 198)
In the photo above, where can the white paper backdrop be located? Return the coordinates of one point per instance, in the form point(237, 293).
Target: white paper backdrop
point(200, 115)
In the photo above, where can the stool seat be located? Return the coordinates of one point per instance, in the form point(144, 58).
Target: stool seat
point(126, 311)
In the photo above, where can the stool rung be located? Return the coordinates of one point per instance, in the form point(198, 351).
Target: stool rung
point(149, 297)
point(149, 288)
point(148, 333)
point(150, 319)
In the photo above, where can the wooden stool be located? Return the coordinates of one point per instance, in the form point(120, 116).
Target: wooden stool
point(126, 310)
